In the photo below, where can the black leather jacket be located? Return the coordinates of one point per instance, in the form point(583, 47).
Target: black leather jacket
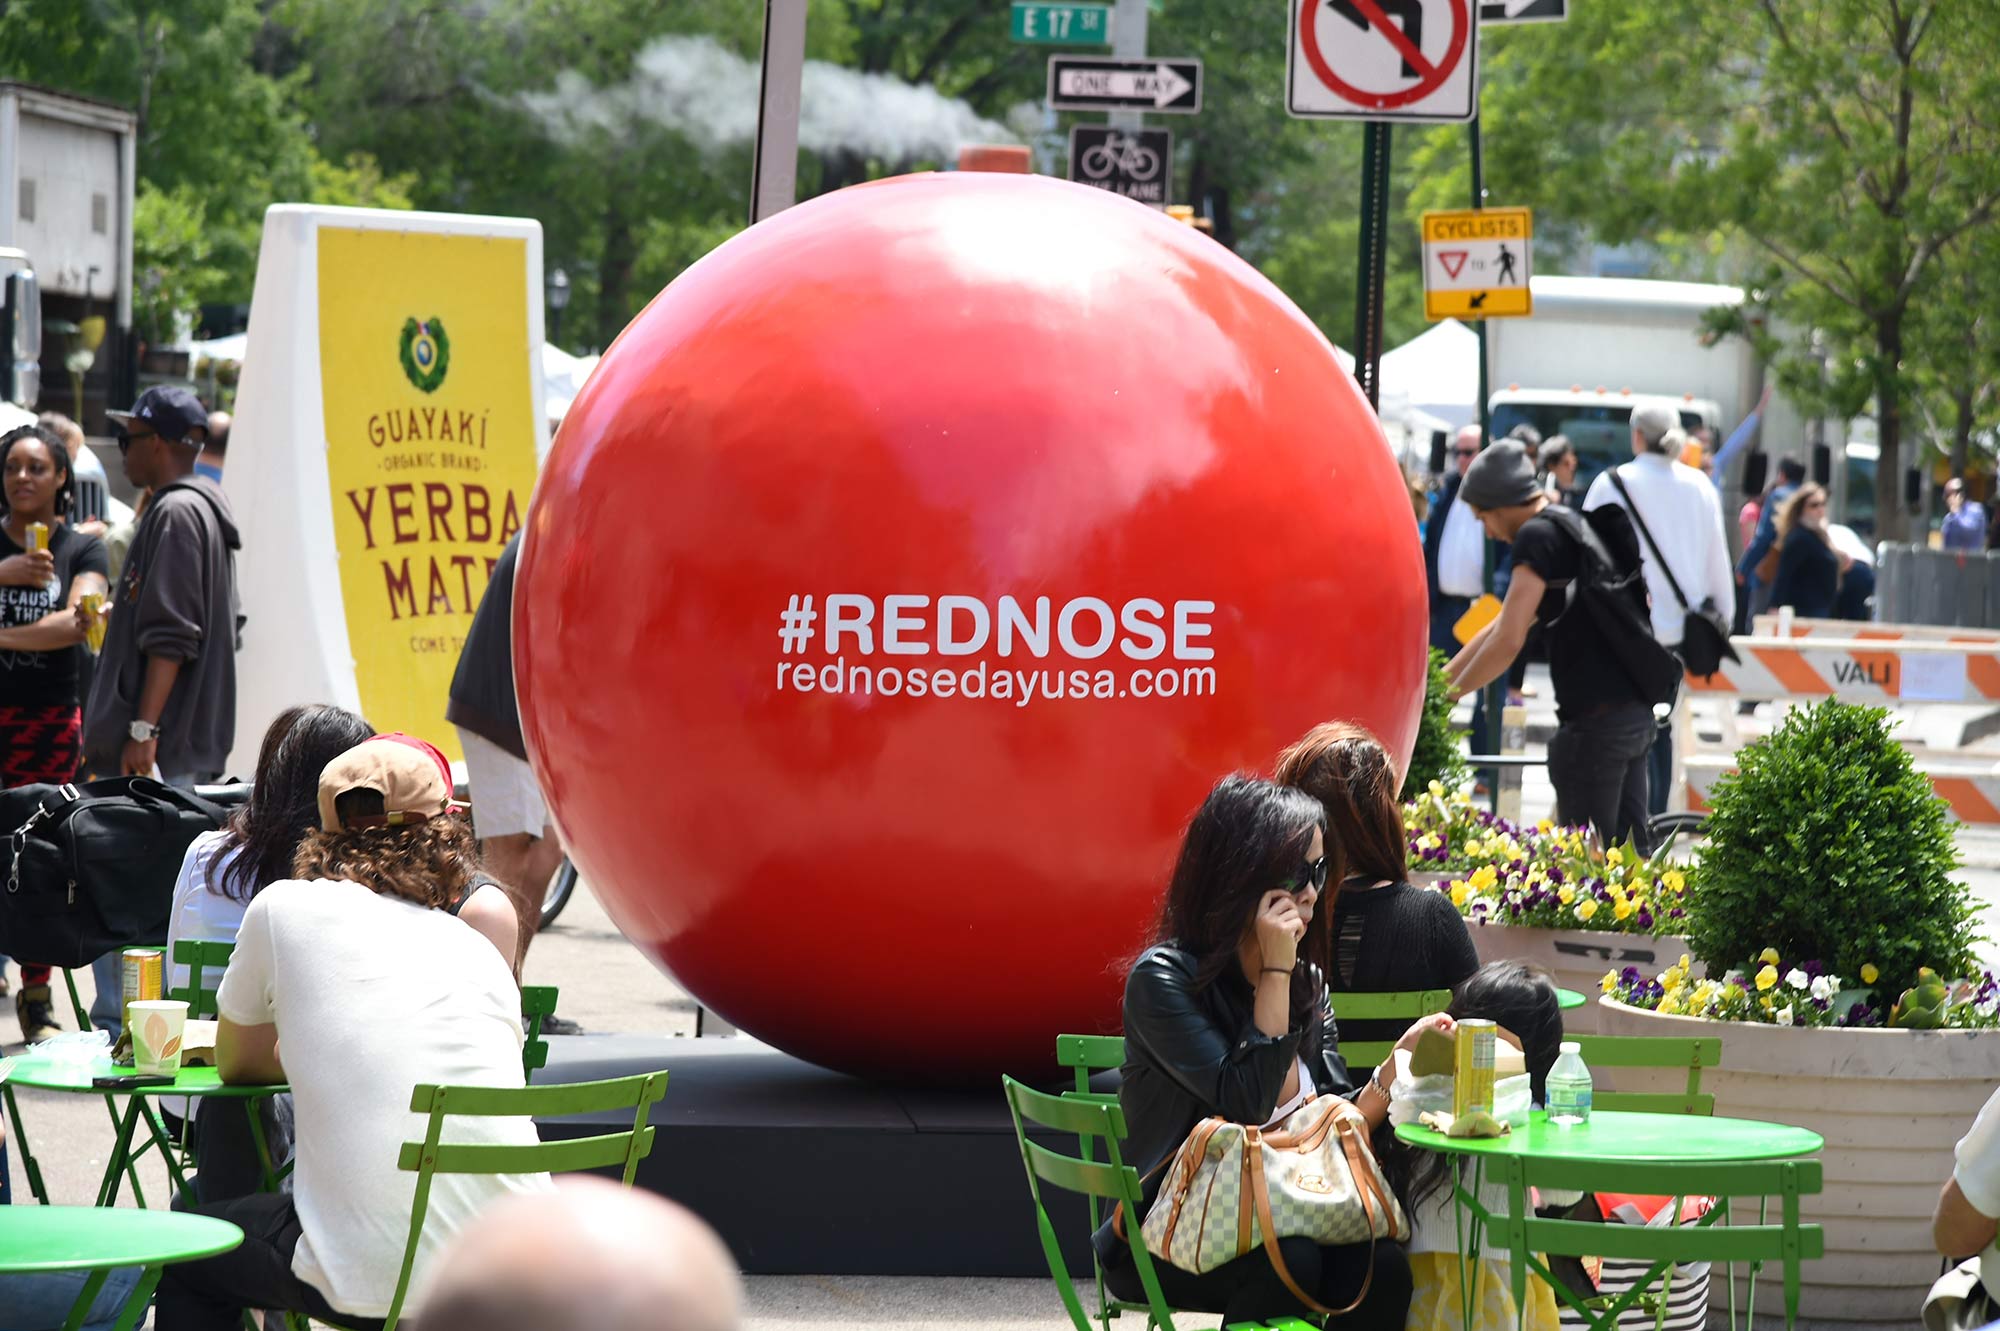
point(1195, 1053)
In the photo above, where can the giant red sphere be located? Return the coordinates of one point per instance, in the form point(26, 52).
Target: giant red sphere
point(906, 574)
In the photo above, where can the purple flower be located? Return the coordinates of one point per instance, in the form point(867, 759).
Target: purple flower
point(1645, 918)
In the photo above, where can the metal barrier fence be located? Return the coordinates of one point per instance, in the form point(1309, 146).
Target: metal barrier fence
point(1917, 585)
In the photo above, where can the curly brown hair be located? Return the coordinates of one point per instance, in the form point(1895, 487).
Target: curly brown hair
point(430, 863)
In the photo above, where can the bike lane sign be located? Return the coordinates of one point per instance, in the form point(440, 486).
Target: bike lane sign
point(1386, 60)
point(1477, 263)
point(1137, 163)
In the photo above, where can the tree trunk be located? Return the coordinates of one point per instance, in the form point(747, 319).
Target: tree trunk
point(614, 271)
point(1961, 426)
point(1891, 518)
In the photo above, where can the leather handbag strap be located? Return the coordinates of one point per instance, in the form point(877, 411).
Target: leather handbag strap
point(1260, 1194)
point(1204, 1130)
point(1618, 484)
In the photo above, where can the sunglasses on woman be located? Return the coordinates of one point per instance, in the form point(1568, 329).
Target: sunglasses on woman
point(1311, 873)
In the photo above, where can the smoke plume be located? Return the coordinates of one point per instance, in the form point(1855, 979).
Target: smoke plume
point(708, 94)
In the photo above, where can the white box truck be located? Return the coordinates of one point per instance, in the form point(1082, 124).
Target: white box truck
point(1596, 345)
point(67, 186)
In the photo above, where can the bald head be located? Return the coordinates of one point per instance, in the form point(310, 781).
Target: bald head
point(589, 1257)
point(1465, 446)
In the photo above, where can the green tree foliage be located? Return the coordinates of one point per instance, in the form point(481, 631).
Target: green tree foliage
point(1843, 142)
point(1829, 845)
point(172, 260)
point(1437, 755)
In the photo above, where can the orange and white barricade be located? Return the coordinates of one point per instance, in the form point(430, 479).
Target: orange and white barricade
point(1884, 664)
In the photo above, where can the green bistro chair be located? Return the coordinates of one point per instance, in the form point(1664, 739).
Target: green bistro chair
point(1653, 1051)
point(538, 1004)
point(1364, 1056)
point(622, 1149)
point(1714, 1238)
point(1091, 1118)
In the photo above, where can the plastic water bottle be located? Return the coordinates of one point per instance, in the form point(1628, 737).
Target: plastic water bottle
point(1569, 1087)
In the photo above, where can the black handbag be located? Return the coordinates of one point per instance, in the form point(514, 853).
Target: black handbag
point(91, 868)
point(1704, 632)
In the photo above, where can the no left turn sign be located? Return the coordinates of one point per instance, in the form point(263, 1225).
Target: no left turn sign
point(1408, 60)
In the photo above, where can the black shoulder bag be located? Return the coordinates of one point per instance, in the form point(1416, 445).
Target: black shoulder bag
point(1610, 593)
point(91, 868)
point(1704, 632)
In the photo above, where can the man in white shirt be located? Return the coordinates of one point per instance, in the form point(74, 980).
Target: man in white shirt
point(374, 987)
point(1677, 507)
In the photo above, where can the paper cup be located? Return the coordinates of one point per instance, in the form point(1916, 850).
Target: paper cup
point(157, 1027)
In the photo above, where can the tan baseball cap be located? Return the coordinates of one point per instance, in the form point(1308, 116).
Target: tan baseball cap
point(411, 776)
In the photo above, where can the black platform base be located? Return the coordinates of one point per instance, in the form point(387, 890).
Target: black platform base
point(808, 1172)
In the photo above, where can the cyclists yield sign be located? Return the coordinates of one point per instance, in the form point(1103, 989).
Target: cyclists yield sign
point(1476, 263)
point(1412, 60)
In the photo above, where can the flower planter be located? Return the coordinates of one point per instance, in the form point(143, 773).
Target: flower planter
point(1577, 958)
point(1890, 1104)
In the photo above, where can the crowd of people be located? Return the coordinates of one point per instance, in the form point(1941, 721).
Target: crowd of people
point(1612, 758)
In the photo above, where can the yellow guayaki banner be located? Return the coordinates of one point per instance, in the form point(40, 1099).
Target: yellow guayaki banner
point(430, 454)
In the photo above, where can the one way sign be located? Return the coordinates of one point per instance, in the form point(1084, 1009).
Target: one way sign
point(1523, 11)
point(1090, 83)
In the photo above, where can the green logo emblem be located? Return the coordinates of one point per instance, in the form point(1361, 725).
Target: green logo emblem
point(426, 352)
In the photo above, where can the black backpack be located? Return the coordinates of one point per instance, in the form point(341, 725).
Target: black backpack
point(1612, 592)
point(91, 868)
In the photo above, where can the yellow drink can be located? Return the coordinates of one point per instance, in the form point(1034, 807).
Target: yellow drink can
point(93, 606)
point(1473, 1070)
point(38, 536)
point(143, 976)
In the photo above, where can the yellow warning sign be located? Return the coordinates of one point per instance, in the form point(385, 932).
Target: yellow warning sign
point(1477, 263)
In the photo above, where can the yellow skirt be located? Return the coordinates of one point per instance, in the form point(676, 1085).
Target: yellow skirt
point(1435, 1304)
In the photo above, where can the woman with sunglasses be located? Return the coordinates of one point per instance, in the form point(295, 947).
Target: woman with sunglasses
point(41, 726)
point(1226, 1014)
point(1809, 568)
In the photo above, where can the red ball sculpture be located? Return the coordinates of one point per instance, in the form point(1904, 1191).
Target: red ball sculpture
point(905, 576)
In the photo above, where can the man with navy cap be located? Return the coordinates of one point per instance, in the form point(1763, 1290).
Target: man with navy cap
point(164, 697)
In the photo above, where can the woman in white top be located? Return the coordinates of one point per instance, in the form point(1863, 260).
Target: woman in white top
point(219, 875)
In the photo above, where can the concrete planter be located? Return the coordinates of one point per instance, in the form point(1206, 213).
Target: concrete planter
point(1578, 958)
point(1890, 1104)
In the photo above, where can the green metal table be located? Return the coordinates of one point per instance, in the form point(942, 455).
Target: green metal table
point(49, 1239)
point(1609, 1138)
point(1569, 1000)
point(40, 1072)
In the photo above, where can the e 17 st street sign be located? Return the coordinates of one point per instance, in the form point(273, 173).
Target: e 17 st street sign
point(1096, 83)
point(1062, 25)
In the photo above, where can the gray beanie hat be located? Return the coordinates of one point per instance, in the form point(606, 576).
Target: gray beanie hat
point(1500, 477)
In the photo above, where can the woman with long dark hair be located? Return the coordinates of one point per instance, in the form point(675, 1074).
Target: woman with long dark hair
point(1226, 1014)
point(1388, 936)
point(220, 873)
point(41, 724)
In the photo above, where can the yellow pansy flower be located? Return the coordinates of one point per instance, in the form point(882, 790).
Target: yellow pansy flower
point(1623, 909)
point(1614, 856)
point(1484, 877)
point(1566, 894)
point(1686, 963)
point(1459, 892)
point(1869, 974)
point(1769, 956)
point(1767, 977)
point(1610, 981)
point(1585, 909)
point(1675, 880)
point(1670, 1006)
point(1545, 827)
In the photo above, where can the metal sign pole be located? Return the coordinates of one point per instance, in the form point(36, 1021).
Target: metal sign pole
point(1496, 692)
point(1368, 293)
point(774, 170)
point(1128, 42)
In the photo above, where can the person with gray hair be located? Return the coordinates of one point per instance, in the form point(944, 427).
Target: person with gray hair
point(1683, 547)
point(1604, 722)
point(590, 1256)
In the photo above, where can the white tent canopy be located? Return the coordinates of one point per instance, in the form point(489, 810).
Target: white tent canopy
point(1436, 373)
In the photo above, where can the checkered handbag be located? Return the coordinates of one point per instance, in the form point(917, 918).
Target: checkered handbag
point(1232, 1188)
